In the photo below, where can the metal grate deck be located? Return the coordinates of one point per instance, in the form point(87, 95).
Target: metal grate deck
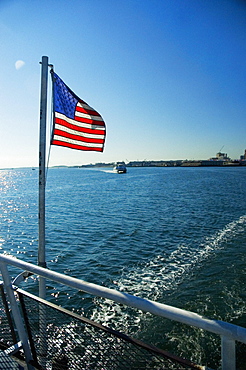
point(9, 363)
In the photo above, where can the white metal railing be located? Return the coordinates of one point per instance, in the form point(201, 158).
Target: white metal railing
point(229, 333)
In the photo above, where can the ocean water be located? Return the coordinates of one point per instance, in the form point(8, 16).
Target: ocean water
point(174, 235)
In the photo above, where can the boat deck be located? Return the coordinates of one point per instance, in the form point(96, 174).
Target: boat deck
point(9, 363)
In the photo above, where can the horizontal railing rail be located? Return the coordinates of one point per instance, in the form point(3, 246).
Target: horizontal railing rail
point(229, 332)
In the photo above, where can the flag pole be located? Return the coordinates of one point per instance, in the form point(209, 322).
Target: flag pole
point(42, 159)
point(41, 214)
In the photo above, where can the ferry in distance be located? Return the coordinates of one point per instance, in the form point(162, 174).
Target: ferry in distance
point(120, 167)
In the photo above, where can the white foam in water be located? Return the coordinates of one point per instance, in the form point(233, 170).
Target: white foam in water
point(162, 274)
point(108, 171)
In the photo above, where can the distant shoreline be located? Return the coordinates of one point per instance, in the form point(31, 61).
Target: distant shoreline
point(174, 163)
point(171, 163)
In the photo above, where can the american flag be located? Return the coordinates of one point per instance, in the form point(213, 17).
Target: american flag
point(76, 124)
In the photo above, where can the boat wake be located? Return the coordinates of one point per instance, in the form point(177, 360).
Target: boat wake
point(162, 274)
point(108, 171)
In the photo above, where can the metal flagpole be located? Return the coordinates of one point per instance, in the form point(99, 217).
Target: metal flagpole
point(42, 158)
point(41, 240)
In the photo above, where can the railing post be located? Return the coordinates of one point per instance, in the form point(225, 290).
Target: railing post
point(16, 314)
point(228, 353)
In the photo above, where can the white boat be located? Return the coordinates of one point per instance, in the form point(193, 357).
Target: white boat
point(120, 167)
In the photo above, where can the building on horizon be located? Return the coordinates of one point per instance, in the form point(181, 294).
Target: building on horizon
point(220, 157)
point(243, 157)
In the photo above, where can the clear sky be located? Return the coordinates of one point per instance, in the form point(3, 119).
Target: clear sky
point(168, 76)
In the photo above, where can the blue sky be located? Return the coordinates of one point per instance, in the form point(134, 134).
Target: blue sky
point(168, 76)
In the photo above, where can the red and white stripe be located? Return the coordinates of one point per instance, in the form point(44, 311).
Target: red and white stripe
point(86, 131)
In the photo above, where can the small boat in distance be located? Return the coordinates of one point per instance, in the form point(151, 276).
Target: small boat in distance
point(120, 167)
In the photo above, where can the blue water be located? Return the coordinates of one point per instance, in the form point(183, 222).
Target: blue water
point(175, 235)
